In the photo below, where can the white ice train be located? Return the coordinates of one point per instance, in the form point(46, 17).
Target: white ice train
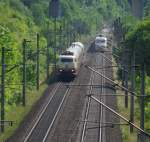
point(100, 43)
point(71, 60)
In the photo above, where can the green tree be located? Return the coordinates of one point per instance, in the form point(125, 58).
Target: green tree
point(139, 39)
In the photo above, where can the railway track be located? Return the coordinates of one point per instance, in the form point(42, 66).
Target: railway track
point(68, 123)
point(94, 120)
point(102, 113)
point(101, 108)
point(70, 116)
point(85, 121)
point(48, 115)
point(71, 125)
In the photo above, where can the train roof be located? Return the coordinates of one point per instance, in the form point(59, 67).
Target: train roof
point(74, 50)
point(77, 44)
point(101, 38)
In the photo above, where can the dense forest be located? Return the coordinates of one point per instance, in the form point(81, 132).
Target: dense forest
point(80, 19)
point(23, 19)
point(135, 37)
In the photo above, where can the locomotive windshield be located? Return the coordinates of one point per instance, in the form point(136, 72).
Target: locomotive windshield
point(66, 60)
point(100, 41)
point(97, 41)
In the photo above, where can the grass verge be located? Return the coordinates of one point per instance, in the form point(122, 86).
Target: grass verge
point(17, 113)
point(126, 135)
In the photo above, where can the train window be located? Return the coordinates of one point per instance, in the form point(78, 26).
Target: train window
point(67, 53)
point(66, 60)
point(97, 41)
point(102, 41)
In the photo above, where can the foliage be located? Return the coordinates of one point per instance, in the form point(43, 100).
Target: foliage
point(5, 36)
point(23, 19)
point(147, 9)
point(139, 39)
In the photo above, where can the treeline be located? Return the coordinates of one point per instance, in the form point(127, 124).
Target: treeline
point(23, 19)
point(134, 36)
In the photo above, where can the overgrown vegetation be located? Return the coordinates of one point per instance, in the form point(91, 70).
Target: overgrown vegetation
point(23, 19)
point(136, 35)
point(139, 39)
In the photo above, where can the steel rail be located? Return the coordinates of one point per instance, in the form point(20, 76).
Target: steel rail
point(120, 86)
point(87, 112)
point(57, 112)
point(102, 114)
point(122, 95)
point(97, 122)
point(103, 68)
point(85, 120)
point(101, 109)
point(43, 111)
point(55, 116)
point(112, 62)
point(104, 98)
point(97, 85)
point(107, 58)
point(70, 139)
point(119, 115)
